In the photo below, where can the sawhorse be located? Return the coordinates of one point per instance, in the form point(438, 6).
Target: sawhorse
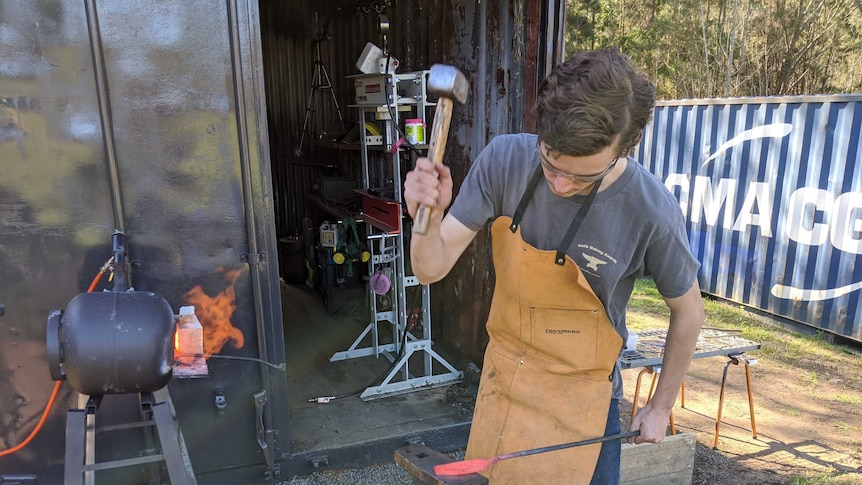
point(734, 359)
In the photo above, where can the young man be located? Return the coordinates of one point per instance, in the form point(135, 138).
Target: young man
point(575, 222)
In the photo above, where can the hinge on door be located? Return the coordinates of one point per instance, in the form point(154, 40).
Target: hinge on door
point(259, 406)
point(253, 259)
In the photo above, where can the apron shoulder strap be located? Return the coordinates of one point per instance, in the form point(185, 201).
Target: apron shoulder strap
point(576, 224)
point(525, 198)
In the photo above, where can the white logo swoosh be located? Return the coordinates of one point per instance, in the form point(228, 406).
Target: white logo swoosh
point(791, 293)
point(774, 130)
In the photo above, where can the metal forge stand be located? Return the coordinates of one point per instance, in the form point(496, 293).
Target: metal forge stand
point(385, 221)
point(80, 463)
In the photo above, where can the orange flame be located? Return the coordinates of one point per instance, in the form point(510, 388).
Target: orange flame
point(214, 313)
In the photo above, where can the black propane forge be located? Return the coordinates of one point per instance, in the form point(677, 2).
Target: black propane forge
point(113, 342)
point(117, 342)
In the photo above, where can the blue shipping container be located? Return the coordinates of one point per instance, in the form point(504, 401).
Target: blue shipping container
point(771, 189)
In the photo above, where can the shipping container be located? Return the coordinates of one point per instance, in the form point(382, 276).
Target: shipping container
point(771, 189)
point(202, 132)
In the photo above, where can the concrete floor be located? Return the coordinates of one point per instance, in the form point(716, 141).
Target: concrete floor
point(311, 336)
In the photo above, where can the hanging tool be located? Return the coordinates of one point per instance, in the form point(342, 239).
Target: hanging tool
point(449, 84)
point(476, 465)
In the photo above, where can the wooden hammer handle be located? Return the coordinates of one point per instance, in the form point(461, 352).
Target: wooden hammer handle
point(436, 147)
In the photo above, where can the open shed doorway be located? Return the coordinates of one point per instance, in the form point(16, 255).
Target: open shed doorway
point(327, 285)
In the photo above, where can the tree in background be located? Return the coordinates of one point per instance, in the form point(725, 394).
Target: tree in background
point(715, 48)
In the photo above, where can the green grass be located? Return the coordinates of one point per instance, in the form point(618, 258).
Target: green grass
point(810, 480)
point(646, 299)
point(823, 478)
point(848, 399)
point(792, 412)
point(811, 380)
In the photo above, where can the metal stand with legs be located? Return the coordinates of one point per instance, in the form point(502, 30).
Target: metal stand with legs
point(80, 462)
point(415, 364)
point(319, 80)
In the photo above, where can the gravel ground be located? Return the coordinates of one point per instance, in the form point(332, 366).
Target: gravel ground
point(382, 474)
point(388, 474)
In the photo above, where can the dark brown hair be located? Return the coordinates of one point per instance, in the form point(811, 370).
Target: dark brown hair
point(594, 99)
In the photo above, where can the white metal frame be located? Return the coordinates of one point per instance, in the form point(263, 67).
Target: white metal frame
point(387, 253)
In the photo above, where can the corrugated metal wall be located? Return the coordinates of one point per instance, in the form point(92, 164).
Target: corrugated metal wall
point(290, 35)
point(772, 193)
point(486, 40)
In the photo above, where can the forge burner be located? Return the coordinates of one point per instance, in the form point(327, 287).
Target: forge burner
point(112, 342)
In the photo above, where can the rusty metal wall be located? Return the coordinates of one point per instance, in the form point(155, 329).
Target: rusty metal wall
point(184, 103)
point(496, 46)
point(772, 193)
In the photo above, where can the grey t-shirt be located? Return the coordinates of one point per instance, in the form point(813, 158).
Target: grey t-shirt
point(634, 227)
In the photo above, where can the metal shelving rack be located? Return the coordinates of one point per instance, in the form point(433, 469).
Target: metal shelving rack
point(401, 93)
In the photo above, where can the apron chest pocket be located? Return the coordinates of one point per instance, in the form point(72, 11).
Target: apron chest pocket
point(569, 337)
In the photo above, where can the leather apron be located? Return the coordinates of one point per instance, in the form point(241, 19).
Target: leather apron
point(548, 368)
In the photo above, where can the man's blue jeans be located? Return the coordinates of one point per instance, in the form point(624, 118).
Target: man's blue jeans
point(608, 467)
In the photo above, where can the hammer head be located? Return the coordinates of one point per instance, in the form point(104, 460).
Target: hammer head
point(448, 82)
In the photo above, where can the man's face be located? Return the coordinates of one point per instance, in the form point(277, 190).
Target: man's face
point(569, 175)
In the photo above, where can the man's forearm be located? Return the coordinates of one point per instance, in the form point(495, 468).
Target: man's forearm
point(433, 255)
point(685, 323)
point(677, 358)
point(426, 253)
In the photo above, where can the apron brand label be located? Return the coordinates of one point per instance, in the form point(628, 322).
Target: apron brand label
point(560, 331)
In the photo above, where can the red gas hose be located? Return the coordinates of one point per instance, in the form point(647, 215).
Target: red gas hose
point(54, 393)
point(95, 282)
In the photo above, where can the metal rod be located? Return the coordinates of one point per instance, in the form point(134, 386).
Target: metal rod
point(108, 465)
point(750, 401)
point(105, 112)
point(720, 404)
point(638, 390)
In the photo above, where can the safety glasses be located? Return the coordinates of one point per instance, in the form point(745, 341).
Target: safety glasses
point(583, 179)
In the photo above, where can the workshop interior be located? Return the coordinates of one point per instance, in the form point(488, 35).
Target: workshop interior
point(205, 254)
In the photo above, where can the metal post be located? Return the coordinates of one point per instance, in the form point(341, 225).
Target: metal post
point(732, 360)
point(750, 401)
point(76, 424)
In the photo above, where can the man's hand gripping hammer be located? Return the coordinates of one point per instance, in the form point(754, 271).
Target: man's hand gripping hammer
point(449, 84)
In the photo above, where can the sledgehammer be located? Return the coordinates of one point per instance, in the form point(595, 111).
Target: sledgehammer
point(449, 84)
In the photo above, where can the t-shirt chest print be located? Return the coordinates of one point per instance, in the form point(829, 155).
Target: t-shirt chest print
point(593, 260)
